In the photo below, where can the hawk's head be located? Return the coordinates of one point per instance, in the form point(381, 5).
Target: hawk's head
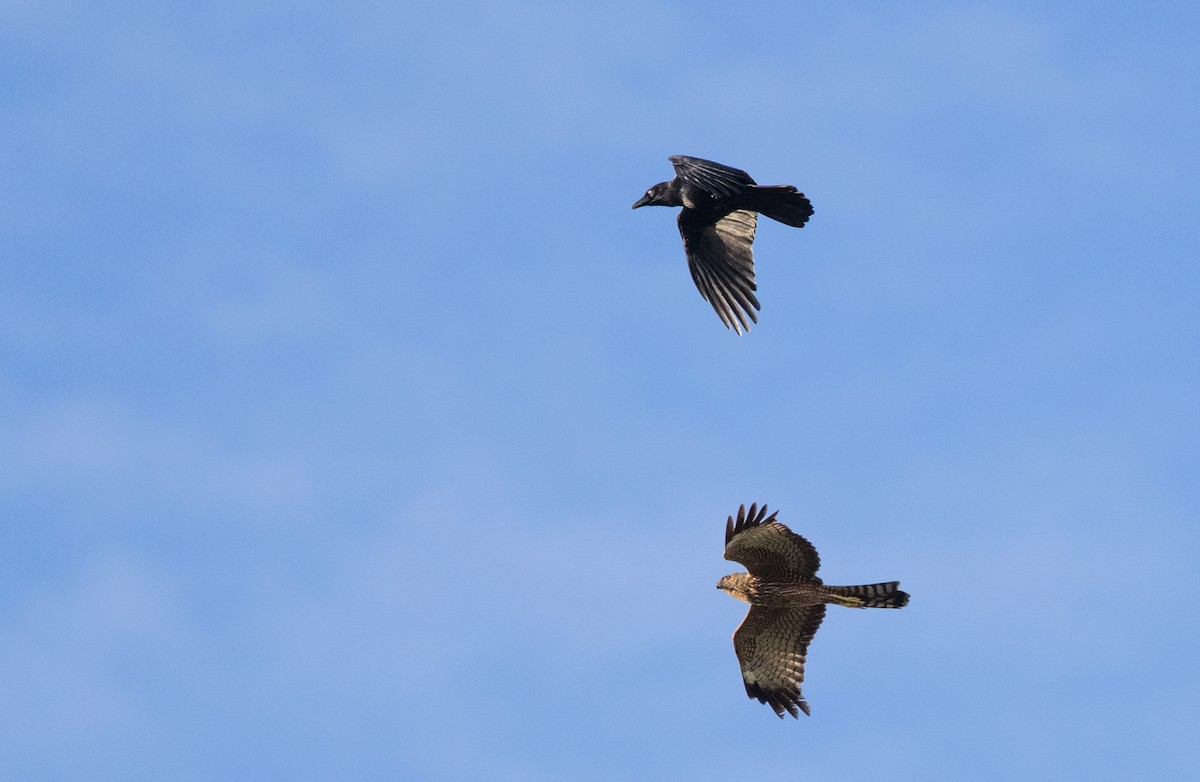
point(737, 584)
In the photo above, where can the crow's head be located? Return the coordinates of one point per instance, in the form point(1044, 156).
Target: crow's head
point(656, 196)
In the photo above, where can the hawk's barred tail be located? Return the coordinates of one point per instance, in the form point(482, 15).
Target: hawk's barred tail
point(885, 595)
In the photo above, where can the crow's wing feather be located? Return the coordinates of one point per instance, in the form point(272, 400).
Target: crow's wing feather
point(721, 260)
point(720, 180)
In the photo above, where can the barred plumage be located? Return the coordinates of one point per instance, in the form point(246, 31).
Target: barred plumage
point(787, 603)
point(885, 595)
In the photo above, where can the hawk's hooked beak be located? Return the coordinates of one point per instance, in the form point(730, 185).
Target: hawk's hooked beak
point(642, 201)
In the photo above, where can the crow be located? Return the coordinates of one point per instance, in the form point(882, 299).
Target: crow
point(717, 222)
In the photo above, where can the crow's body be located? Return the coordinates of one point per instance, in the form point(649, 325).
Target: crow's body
point(717, 223)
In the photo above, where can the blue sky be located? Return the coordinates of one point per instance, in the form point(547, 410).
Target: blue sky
point(353, 427)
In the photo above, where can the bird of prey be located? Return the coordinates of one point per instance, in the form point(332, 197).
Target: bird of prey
point(719, 215)
point(787, 603)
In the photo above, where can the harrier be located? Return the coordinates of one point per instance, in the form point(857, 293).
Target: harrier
point(717, 223)
point(787, 603)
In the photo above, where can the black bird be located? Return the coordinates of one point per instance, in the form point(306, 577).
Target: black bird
point(717, 223)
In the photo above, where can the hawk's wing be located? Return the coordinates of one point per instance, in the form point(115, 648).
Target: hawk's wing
point(768, 549)
point(724, 181)
point(771, 645)
point(721, 261)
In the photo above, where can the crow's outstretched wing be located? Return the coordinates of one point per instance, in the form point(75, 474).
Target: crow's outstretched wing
point(721, 260)
point(720, 180)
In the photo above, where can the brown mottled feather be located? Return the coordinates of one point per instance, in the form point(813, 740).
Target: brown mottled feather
point(771, 646)
point(768, 549)
point(787, 603)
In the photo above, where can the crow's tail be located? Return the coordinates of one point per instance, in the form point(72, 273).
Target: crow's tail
point(781, 202)
point(886, 595)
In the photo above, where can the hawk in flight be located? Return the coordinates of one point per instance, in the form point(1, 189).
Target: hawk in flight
point(787, 603)
point(719, 215)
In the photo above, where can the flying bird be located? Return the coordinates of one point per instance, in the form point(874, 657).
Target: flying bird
point(717, 222)
point(787, 603)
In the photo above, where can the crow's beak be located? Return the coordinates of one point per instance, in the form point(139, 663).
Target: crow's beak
point(642, 201)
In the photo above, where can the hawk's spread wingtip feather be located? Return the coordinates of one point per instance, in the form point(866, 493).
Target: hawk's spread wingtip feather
point(747, 519)
point(780, 702)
